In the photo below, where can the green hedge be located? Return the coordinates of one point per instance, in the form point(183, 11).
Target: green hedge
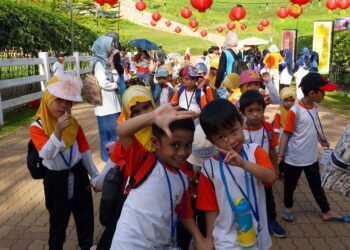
point(34, 30)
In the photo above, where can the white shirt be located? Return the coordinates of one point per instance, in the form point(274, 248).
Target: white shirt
point(164, 94)
point(57, 69)
point(189, 102)
point(110, 102)
point(301, 148)
point(145, 221)
point(225, 233)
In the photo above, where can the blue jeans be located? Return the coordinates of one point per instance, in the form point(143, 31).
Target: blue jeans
point(107, 128)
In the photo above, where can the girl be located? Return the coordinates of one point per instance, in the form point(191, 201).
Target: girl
point(62, 144)
point(107, 114)
point(288, 97)
point(230, 88)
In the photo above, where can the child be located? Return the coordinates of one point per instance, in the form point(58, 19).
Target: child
point(188, 96)
point(214, 66)
point(250, 80)
point(288, 97)
point(204, 82)
point(166, 89)
point(230, 88)
point(137, 100)
point(256, 130)
point(222, 125)
point(58, 67)
point(147, 220)
point(62, 145)
point(298, 147)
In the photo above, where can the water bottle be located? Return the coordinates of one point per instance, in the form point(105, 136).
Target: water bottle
point(244, 223)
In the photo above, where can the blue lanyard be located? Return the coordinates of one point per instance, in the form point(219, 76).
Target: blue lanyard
point(324, 139)
point(230, 201)
point(70, 157)
point(173, 225)
point(262, 139)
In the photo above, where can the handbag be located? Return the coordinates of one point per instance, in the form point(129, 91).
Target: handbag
point(92, 90)
point(335, 175)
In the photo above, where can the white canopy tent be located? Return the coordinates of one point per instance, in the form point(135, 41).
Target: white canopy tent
point(252, 41)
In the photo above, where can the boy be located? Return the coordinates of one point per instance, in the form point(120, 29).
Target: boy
point(188, 96)
point(166, 89)
point(298, 147)
point(147, 220)
point(222, 125)
point(58, 67)
point(256, 130)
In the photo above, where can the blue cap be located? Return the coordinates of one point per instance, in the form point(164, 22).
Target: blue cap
point(201, 68)
point(189, 71)
point(162, 72)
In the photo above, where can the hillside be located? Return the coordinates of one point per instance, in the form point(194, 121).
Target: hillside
point(256, 11)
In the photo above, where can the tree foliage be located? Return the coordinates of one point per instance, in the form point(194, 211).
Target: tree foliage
point(33, 30)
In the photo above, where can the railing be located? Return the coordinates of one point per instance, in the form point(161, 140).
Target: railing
point(44, 74)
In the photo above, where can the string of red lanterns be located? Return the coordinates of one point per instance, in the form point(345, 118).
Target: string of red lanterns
point(282, 12)
point(186, 13)
point(140, 5)
point(201, 5)
point(178, 29)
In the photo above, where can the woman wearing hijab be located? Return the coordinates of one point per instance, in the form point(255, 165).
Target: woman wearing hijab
point(61, 143)
point(314, 61)
point(287, 66)
point(303, 59)
point(108, 112)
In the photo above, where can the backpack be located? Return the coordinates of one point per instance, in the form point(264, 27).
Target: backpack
point(91, 89)
point(197, 94)
point(115, 190)
point(34, 162)
point(214, 91)
point(235, 63)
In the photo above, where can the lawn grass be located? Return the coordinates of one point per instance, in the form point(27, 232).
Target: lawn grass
point(338, 102)
point(22, 116)
point(218, 16)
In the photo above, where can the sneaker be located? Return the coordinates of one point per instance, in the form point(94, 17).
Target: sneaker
point(277, 229)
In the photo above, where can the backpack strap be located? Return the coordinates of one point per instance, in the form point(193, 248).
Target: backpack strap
point(198, 93)
point(229, 62)
point(181, 90)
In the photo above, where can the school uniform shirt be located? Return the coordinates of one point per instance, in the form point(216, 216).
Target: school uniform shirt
point(263, 136)
point(110, 102)
point(301, 149)
point(49, 149)
point(212, 197)
point(165, 94)
point(277, 126)
point(145, 220)
point(188, 101)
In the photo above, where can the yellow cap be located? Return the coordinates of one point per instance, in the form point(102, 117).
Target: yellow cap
point(214, 62)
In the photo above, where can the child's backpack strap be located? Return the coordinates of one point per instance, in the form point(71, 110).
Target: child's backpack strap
point(181, 90)
point(171, 93)
point(143, 170)
point(198, 94)
point(229, 62)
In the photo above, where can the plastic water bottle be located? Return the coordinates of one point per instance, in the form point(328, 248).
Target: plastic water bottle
point(244, 223)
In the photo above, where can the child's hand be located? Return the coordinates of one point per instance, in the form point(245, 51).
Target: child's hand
point(167, 113)
point(231, 157)
point(62, 123)
point(205, 244)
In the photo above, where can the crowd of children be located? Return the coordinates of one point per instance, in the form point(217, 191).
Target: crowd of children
point(201, 149)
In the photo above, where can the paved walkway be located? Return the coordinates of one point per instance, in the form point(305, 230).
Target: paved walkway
point(24, 219)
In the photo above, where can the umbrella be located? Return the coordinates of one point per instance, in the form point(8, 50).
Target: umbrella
point(144, 44)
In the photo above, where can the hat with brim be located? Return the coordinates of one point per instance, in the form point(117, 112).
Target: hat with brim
point(273, 48)
point(249, 76)
point(66, 88)
point(162, 72)
point(314, 80)
point(189, 71)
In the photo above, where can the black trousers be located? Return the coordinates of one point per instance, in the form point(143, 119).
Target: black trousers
point(60, 207)
point(312, 173)
point(184, 237)
point(270, 204)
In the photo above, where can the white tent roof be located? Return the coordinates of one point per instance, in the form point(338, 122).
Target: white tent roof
point(253, 41)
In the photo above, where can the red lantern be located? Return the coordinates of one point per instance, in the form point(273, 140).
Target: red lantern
point(156, 16)
point(230, 16)
point(204, 33)
point(331, 4)
point(243, 27)
point(230, 25)
point(140, 5)
point(260, 27)
point(343, 4)
point(193, 23)
point(219, 29)
point(168, 23)
point(100, 2)
point(300, 2)
point(153, 23)
point(186, 13)
point(111, 2)
point(177, 29)
point(238, 12)
point(282, 12)
point(201, 5)
point(264, 22)
point(295, 11)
